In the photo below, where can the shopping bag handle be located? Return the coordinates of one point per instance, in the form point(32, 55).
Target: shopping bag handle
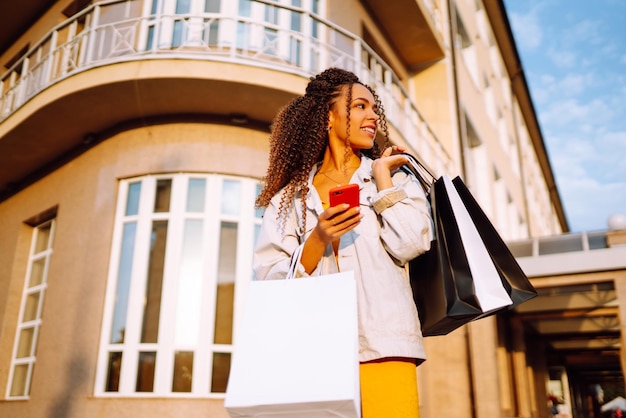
point(295, 260)
point(419, 170)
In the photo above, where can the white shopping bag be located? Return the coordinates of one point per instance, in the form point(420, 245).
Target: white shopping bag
point(296, 350)
point(488, 286)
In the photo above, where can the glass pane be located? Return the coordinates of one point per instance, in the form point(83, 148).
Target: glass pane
point(152, 307)
point(243, 34)
point(211, 37)
point(43, 236)
point(597, 240)
point(183, 371)
point(296, 21)
point(560, 244)
point(113, 373)
point(150, 40)
point(195, 195)
point(177, 39)
point(132, 199)
point(32, 307)
point(257, 231)
point(226, 284)
point(271, 14)
point(163, 194)
point(245, 8)
point(258, 211)
point(18, 386)
point(221, 370)
point(25, 346)
point(183, 6)
point(231, 197)
point(190, 285)
point(36, 272)
point(145, 372)
point(212, 6)
point(521, 248)
point(123, 283)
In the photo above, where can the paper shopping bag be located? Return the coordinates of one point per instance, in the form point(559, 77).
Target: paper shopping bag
point(460, 230)
point(444, 302)
point(513, 277)
point(456, 281)
point(296, 350)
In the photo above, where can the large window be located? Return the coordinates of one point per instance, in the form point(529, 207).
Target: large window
point(181, 258)
point(29, 322)
point(274, 28)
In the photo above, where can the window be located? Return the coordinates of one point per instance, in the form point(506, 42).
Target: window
point(280, 32)
point(183, 23)
point(29, 323)
point(181, 258)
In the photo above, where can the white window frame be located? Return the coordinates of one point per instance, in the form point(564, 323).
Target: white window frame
point(195, 26)
point(248, 221)
point(264, 28)
point(44, 254)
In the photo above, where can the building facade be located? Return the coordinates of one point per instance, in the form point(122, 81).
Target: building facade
point(133, 139)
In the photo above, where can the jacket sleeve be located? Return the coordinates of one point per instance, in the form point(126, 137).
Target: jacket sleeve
point(406, 230)
point(274, 251)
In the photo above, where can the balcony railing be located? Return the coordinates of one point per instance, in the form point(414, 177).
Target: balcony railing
point(569, 254)
point(294, 40)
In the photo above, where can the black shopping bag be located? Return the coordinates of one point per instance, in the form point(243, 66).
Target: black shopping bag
point(462, 266)
point(443, 303)
point(469, 273)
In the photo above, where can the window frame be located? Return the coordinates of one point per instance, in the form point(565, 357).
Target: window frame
point(248, 222)
point(34, 256)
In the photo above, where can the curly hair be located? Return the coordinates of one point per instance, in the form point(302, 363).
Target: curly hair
point(299, 137)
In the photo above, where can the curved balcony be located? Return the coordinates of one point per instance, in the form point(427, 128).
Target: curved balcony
point(117, 33)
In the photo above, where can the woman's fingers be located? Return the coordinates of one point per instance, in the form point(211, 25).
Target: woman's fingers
point(394, 149)
point(336, 221)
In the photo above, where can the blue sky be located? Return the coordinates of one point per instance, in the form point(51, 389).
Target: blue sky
point(574, 58)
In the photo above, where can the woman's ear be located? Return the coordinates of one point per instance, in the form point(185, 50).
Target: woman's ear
point(331, 120)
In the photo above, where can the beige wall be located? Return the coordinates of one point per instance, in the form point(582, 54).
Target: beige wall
point(435, 100)
point(85, 191)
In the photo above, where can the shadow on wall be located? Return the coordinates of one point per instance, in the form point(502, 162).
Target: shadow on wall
point(75, 382)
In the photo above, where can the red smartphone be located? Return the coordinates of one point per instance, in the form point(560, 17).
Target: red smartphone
point(345, 194)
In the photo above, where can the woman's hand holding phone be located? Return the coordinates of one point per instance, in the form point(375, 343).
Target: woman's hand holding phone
point(343, 214)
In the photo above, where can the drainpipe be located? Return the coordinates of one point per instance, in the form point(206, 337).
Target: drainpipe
point(460, 121)
point(462, 141)
point(520, 159)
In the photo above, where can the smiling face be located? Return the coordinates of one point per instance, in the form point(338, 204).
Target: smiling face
point(359, 127)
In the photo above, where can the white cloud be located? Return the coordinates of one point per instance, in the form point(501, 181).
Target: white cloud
point(584, 32)
point(574, 84)
point(591, 176)
point(589, 203)
point(574, 62)
point(564, 113)
point(562, 58)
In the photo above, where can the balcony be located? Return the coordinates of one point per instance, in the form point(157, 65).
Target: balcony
point(578, 253)
point(117, 64)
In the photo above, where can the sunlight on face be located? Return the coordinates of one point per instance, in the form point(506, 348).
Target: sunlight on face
point(362, 124)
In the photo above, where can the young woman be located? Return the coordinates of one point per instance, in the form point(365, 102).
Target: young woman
point(321, 140)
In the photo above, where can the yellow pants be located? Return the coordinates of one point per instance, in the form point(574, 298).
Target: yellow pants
point(389, 390)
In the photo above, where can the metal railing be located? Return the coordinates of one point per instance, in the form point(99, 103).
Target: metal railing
point(295, 40)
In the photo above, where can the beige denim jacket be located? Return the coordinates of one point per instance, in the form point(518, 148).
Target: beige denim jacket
point(396, 227)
